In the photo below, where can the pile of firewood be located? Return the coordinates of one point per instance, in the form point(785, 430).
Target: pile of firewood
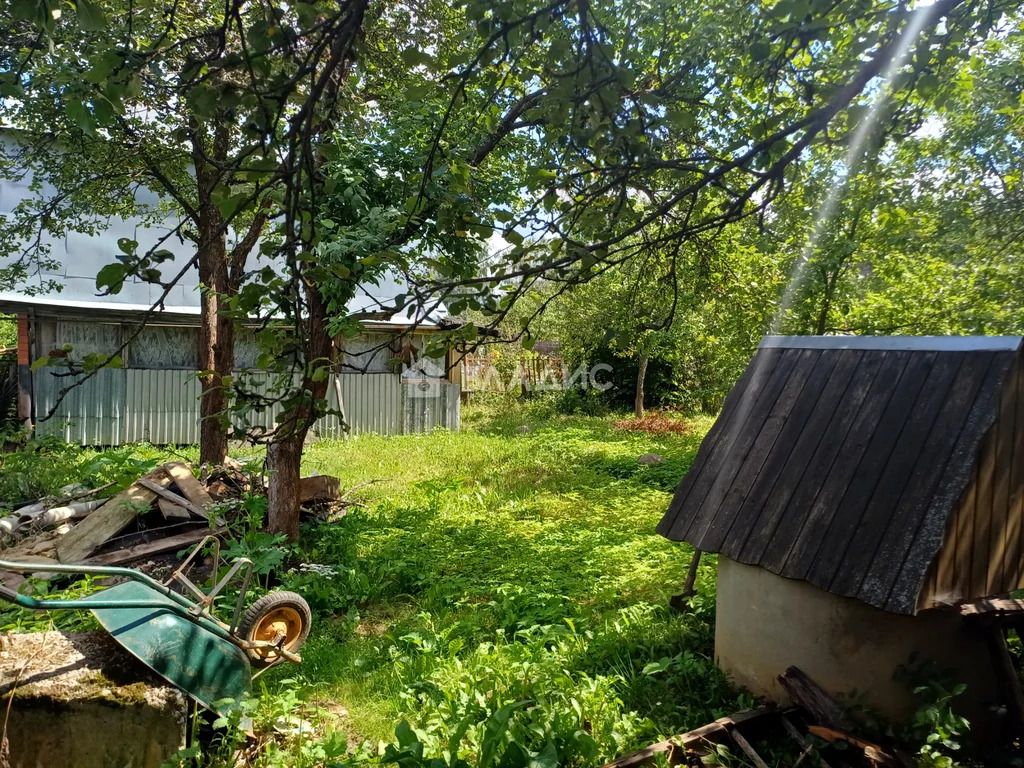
point(165, 510)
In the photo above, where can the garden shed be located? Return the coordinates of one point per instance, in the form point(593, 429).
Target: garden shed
point(863, 494)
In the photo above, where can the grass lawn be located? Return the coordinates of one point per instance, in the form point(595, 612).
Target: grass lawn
point(506, 564)
point(513, 563)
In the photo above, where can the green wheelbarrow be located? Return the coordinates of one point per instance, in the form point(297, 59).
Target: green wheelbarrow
point(178, 636)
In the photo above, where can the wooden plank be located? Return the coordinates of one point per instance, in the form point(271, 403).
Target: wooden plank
point(778, 433)
point(319, 488)
point(808, 748)
point(908, 521)
point(962, 540)
point(711, 486)
point(168, 544)
point(875, 755)
point(794, 496)
point(808, 695)
point(190, 488)
point(747, 749)
point(695, 739)
point(995, 606)
point(677, 519)
point(1000, 532)
point(887, 479)
point(755, 521)
point(883, 414)
point(171, 496)
point(1015, 500)
point(172, 511)
point(110, 519)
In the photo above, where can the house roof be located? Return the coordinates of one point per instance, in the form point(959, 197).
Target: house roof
point(839, 460)
point(48, 306)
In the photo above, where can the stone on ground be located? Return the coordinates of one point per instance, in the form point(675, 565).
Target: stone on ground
point(651, 458)
point(81, 700)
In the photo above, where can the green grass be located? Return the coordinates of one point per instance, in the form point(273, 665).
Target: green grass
point(513, 563)
point(496, 565)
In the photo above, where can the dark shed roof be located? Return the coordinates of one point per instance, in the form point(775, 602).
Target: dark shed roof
point(839, 460)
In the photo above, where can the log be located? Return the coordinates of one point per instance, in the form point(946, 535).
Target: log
point(110, 519)
point(190, 488)
point(808, 695)
point(78, 510)
point(158, 547)
point(319, 488)
point(171, 510)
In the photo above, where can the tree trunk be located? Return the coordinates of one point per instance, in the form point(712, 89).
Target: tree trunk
point(216, 332)
point(216, 354)
point(284, 453)
point(641, 375)
point(283, 462)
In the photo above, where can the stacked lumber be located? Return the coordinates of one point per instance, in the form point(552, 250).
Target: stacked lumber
point(171, 490)
point(165, 510)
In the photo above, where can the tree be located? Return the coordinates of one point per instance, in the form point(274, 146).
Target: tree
point(928, 240)
point(99, 115)
point(623, 131)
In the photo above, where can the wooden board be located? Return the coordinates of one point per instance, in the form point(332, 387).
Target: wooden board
point(717, 732)
point(319, 488)
point(109, 520)
point(754, 521)
point(777, 436)
point(171, 510)
point(189, 486)
point(139, 551)
point(174, 498)
point(808, 695)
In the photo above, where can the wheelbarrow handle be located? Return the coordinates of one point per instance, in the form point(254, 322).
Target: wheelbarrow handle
point(24, 601)
point(92, 570)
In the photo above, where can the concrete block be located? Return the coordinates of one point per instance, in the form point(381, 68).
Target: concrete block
point(79, 699)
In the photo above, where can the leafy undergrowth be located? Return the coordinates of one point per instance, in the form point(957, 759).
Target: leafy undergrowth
point(501, 591)
point(514, 564)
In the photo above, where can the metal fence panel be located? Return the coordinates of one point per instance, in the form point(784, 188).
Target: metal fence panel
point(120, 406)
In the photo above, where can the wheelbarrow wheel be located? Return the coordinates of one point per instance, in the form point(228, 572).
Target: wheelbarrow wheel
point(272, 615)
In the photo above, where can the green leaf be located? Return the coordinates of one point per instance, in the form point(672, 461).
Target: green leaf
point(927, 84)
point(231, 205)
point(111, 277)
point(203, 99)
point(80, 115)
point(41, 362)
point(513, 237)
point(126, 245)
point(90, 16)
point(415, 57)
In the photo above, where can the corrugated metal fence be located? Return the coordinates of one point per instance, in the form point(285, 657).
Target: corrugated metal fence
point(119, 406)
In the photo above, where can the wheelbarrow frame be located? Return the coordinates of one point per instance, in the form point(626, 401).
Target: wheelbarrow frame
point(199, 611)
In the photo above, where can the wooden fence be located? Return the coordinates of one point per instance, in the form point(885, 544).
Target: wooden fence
point(506, 372)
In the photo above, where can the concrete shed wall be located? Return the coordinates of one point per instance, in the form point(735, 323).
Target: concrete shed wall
point(767, 623)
